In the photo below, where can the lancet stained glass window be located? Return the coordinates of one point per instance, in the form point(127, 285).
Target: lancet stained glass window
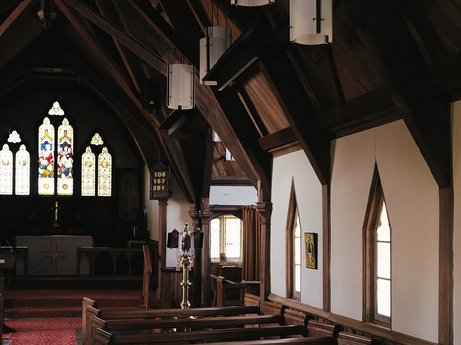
point(22, 173)
point(6, 171)
point(55, 155)
point(96, 177)
point(14, 167)
point(46, 158)
point(66, 158)
point(88, 173)
point(104, 173)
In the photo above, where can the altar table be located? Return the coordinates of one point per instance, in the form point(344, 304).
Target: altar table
point(53, 255)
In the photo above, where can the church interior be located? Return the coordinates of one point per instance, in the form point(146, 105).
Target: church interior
point(302, 155)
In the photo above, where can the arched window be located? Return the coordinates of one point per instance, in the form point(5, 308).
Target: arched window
point(55, 161)
point(22, 175)
point(6, 171)
point(96, 177)
point(14, 172)
point(377, 245)
point(294, 249)
point(46, 147)
point(55, 155)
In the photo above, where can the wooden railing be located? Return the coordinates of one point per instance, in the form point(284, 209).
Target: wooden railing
point(146, 275)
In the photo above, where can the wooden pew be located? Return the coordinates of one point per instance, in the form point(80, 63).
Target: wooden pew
point(345, 338)
point(321, 329)
point(89, 311)
point(102, 337)
point(185, 323)
point(287, 341)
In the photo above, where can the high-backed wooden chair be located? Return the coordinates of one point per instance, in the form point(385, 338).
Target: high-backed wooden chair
point(221, 286)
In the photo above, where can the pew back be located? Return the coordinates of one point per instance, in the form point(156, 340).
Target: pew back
point(102, 337)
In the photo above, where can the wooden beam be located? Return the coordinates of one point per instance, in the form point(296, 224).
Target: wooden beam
point(446, 264)
point(244, 137)
point(299, 112)
point(208, 163)
point(209, 104)
point(148, 145)
point(445, 75)
point(19, 30)
point(142, 51)
point(373, 109)
point(277, 139)
point(167, 143)
point(115, 15)
point(425, 112)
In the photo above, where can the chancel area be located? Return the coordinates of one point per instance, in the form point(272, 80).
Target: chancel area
point(266, 171)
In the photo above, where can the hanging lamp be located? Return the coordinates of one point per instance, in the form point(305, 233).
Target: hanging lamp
point(251, 3)
point(180, 88)
point(216, 41)
point(311, 21)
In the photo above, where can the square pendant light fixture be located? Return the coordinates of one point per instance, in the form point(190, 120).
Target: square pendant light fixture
point(216, 41)
point(180, 88)
point(251, 3)
point(311, 21)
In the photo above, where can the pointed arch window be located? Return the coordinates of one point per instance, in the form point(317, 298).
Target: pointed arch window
point(6, 171)
point(46, 144)
point(96, 177)
point(294, 249)
point(378, 258)
point(14, 167)
point(22, 173)
point(55, 155)
point(88, 173)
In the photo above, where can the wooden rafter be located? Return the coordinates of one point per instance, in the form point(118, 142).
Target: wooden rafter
point(299, 112)
point(425, 112)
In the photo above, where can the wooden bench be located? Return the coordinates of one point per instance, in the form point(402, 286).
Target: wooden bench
point(345, 338)
point(186, 323)
point(90, 310)
point(221, 286)
point(102, 337)
point(321, 329)
point(288, 341)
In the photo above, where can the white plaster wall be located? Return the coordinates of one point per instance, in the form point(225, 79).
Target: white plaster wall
point(309, 198)
point(412, 199)
point(353, 160)
point(233, 195)
point(411, 196)
point(457, 221)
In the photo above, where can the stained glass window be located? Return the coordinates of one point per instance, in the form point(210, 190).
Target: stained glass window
point(65, 158)
point(88, 173)
point(96, 177)
point(6, 171)
point(104, 173)
point(22, 173)
point(46, 158)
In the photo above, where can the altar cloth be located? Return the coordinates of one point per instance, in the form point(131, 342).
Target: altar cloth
point(53, 255)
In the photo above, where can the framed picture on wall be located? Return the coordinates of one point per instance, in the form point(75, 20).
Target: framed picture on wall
point(222, 258)
point(310, 240)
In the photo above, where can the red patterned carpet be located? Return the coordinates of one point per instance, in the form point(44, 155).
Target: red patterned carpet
point(45, 331)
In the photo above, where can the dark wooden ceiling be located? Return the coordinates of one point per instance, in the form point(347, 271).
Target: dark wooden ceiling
point(389, 60)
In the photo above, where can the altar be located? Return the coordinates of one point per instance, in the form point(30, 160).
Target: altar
point(53, 255)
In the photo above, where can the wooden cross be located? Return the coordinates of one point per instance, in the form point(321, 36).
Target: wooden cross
point(54, 254)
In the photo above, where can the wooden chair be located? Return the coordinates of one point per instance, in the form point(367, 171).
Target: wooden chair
point(221, 286)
